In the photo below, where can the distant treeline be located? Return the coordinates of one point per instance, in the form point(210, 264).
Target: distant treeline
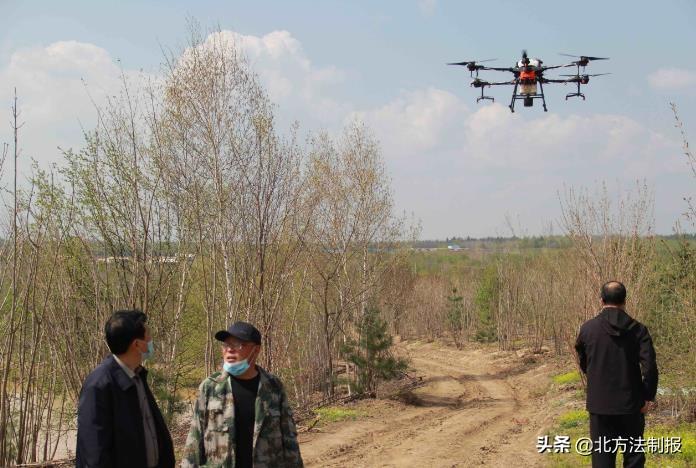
point(498, 242)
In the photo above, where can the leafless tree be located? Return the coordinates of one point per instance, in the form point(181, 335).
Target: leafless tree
point(610, 243)
point(352, 214)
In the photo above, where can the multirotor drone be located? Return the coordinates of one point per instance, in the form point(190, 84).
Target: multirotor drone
point(528, 76)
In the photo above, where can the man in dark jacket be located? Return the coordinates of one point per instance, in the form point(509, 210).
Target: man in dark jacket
point(118, 421)
point(617, 354)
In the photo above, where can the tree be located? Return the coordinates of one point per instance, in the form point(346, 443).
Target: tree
point(352, 237)
point(243, 184)
point(455, 317)
point(371, 352)
point(612, 239)
point(486, 301)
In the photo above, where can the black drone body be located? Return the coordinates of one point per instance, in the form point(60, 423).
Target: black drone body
point(528, 78)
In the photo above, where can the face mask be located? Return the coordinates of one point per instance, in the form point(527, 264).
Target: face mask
point(150, 351)
point(237, 368)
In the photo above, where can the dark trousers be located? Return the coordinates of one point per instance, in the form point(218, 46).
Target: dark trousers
point(610, 426)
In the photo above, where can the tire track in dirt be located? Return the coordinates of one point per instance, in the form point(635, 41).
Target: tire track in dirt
point(466, 414)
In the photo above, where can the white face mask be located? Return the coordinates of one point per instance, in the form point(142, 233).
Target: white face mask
point(238, 368)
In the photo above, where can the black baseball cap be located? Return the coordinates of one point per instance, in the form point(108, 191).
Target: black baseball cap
point(240, 330)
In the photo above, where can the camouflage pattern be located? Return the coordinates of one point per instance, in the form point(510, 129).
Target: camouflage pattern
point(210, 441)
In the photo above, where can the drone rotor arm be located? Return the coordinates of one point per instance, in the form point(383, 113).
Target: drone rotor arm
point(506, 69)
point(551, 67)
point(551, 80)
point(584, 75)
point(478, 83)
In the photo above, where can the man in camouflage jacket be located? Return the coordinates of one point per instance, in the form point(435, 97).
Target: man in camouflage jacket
point(213, 438)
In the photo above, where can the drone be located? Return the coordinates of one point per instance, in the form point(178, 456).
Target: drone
point(528, 75)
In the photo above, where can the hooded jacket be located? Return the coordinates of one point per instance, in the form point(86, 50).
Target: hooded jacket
point(617, 354)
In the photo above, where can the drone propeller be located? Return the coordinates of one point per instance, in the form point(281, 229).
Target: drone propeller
point(596, 74)
point(471, 62)
point(584, 57)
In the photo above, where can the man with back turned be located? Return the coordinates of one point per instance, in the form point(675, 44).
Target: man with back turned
point(617, 355)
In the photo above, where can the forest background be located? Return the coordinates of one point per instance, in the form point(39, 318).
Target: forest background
point(187, 203)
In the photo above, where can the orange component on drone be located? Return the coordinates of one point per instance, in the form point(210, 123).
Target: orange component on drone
point(527, 75)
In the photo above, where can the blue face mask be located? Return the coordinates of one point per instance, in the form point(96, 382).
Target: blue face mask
point(236, 368)
point(150, 351)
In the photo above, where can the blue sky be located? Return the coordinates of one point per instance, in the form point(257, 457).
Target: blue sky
point(460, 167)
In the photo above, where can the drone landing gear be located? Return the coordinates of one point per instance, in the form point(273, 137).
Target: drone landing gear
point(576, 94)
point(543, 99)
point(528, 99)
point(478, 99)
point(514, 94)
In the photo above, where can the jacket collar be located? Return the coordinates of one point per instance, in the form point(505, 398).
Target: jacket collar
point(130, 373)
point(118, 374)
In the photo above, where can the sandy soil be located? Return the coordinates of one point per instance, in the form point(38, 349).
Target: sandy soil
point(477, 407)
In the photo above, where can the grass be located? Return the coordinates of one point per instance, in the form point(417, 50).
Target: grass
point(330, 414)
point(567, 378)
point(687, 433)
point(573, 418)
point(576, 424)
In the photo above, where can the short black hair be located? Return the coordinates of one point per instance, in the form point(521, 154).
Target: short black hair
point(122, 328)
point(613, 292)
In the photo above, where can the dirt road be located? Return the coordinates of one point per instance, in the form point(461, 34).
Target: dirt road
point(477, 407)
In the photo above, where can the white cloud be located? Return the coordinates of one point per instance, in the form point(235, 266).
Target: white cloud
point(673, 79)
point(462, 170)
point(57, 83)
point(54, 84)
point(415, 121)
point(302, 90)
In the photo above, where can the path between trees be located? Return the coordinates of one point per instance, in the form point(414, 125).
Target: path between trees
point(478, 406)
